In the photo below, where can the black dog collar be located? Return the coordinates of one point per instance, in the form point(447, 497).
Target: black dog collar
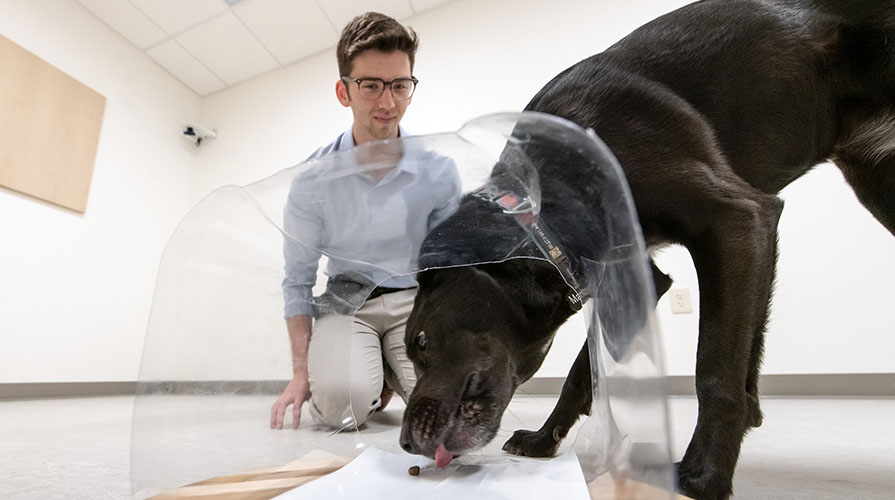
point(543, 238)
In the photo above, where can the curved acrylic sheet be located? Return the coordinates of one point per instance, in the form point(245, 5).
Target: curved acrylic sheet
point(217, 354)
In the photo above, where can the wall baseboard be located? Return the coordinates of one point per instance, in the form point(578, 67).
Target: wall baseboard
point(850, 385)
point(65, 389)
point(819, 385)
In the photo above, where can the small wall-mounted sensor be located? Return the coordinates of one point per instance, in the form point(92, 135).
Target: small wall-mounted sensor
point(197, 134)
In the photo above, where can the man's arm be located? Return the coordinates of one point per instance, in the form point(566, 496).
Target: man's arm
point(298, 391)
point(303, 232)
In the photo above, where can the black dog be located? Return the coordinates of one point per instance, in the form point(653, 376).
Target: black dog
point(710, 110)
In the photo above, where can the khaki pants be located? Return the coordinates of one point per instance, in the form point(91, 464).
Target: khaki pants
point(349, 357)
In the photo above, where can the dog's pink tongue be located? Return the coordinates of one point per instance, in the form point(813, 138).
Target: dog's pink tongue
point(442, 457)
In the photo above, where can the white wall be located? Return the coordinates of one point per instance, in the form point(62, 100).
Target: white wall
point(75, 289)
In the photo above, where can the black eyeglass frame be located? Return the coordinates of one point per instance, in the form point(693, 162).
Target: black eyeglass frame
point(385, 84)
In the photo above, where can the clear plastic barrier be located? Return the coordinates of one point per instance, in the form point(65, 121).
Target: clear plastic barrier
point(217, 353)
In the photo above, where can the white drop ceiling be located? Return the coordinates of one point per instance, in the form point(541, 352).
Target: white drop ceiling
point(211, 45)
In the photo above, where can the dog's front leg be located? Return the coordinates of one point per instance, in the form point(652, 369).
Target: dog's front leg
point(574, 400)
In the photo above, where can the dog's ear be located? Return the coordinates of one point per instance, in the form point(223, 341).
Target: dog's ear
point(534, 283)
point(431, 278)
point(550, 289)
point(424, 278)
point(453, 280)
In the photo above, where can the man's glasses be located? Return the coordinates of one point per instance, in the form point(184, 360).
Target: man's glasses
point(371, 89)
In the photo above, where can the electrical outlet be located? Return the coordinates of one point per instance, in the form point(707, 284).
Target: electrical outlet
point(680, 301)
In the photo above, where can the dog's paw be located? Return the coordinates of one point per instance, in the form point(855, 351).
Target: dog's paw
point(701, 485)
point(532, 444)
point(754, 417)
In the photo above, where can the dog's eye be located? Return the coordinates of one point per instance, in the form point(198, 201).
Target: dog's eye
point(421, 341)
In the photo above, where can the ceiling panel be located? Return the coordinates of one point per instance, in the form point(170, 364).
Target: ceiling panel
point(126, 19)
point(290, 29)
point(185, 67)
point(214, 44)
point(175, 16)
point(340, 12)
point(226, 47)
point(423, 5)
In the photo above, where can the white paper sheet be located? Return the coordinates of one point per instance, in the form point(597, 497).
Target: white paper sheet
point(377, 474)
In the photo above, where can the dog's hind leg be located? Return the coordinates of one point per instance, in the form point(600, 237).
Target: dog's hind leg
point(730, 229)
point(574, 400)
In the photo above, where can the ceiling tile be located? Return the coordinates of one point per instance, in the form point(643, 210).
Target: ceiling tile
point(185, 67)
point(226, 47)
point(210, 45)
point(340, 12)
point(126, 19)
point(175, 16)
point(290, 29)
point(424, 5)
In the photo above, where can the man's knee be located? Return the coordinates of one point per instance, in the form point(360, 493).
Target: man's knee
point(343, 405)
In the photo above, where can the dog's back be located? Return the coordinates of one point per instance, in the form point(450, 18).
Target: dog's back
point(775, 99)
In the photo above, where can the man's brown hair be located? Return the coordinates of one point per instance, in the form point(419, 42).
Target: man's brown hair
point(377, 32)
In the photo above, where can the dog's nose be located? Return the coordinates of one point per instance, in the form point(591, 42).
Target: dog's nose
point(406, 441)
point(405, 444)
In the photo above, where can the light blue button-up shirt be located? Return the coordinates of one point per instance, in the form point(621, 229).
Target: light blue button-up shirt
point(366, 227)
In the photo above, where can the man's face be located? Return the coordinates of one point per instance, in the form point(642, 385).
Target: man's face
point(378, 119)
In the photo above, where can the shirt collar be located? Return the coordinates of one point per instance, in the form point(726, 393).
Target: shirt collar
point(346, 141)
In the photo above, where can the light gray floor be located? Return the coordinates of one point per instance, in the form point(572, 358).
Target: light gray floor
point(811, 449)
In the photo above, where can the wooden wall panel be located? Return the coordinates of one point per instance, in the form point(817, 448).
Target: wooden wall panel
point(49, 129)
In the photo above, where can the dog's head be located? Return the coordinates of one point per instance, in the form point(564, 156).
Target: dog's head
point(475, 334)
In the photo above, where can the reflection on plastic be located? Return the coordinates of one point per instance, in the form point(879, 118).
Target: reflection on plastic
point(217, 353)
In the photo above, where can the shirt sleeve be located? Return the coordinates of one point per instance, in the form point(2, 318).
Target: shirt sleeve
point(301, 249)
point(302, 241)
point(450, 200)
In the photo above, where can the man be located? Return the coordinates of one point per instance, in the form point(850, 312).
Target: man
point(347, 361)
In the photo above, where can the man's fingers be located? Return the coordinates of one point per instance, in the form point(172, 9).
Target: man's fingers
point(276, 415)
point(278, 410)
point(281, 410)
